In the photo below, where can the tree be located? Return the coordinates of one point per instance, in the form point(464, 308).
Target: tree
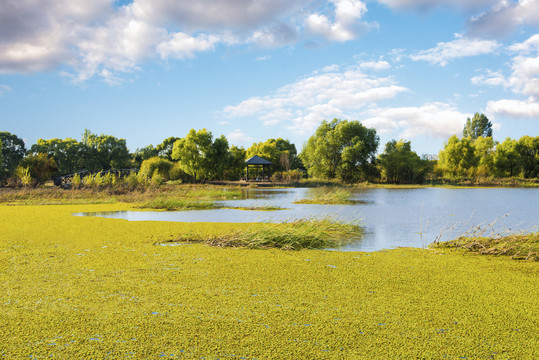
point(218, 158)
point(484, 152)
point(104, 152)
point(401, 165)
point(192, 152)
point(506, 158)
point(1, 159)
point(527, 149)
point(67, 153)
point(41, 167)
point(458, 158)
point(478, 126)
point(341, 149)
point(236, 163)
point(156, 165)
point(164, 149)
point(281, 153)
point(142, 154)
point(13, 151)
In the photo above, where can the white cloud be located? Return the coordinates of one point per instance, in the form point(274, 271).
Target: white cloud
point(458, 48)
point(182, 45)
point(434, 119)
point(504, 17)
point(425, 5)
point(490, 78)
point(346, 24)
point(4, 89)
point(238, 137)
point(375, 65)
point(302, 105)
point(515, 109)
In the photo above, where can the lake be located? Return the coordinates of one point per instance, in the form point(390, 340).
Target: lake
point(391, 217)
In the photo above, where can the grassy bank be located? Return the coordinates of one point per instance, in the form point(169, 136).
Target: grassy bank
point(88, 287)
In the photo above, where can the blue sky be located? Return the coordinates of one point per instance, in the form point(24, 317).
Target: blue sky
point(145, 70)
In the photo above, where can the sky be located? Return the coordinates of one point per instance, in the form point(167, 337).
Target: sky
point(145, 70)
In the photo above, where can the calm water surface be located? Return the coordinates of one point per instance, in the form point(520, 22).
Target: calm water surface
point(391, 217)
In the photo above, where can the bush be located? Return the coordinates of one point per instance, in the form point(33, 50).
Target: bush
point(156, 165)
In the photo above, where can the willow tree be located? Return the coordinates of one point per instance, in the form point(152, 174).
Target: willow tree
point(341, 149)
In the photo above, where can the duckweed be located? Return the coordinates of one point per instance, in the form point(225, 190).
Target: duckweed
point(89, 287)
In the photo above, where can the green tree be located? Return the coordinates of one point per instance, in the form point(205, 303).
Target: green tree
point(143, 154)
point(104, 152)
point(281, 153)
point(164, 149)
point(401, 165)
point(67, 153)
point(478, 126)
point(13, 151)
point(527, 149)
point(341, 149)
point(506, 158)
point(458, 158)
point(192, 152)
point(156, 165)
point(218, 158)
point(236, 163)
point(484, 152)
point(1, 159)
point(40, 166)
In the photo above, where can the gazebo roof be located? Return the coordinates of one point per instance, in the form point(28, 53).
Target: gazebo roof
point(257, 160)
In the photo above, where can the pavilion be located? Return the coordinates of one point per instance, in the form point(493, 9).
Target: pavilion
point(258, 161)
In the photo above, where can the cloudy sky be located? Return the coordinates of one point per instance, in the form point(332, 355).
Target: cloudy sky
point(145, 70)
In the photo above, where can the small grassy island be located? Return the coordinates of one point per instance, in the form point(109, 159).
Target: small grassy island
point(90, 287)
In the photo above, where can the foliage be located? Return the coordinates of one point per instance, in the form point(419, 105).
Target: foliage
point(23, 173)
point(107, 291)
point(484, 152)
point(104, 152)
point(192, 152)
point(68, 153)
point(519, 246)
point(41, 167)
point(401, 165)
point(480, 125)
point(279, 151)
point(218, 158)
point(156, 165)
point(167, 203)
point(341, 149)
point(1, 158)
point(236, 163)
point(506, 159)
point(13, 151)
point(527, 149)
point(165, 149)
point(143, 154)
point(458, 158)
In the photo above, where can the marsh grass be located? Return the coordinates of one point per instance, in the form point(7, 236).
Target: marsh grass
point(330, 196)
point(296, 235)
point(518, 247)
point(177, 204)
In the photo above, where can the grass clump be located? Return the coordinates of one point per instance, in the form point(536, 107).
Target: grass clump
point(518, 246)
point(329, 196)
point(296, 235)
point(177, 204)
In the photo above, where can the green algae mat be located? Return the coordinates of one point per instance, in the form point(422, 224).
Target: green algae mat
point(88, 287)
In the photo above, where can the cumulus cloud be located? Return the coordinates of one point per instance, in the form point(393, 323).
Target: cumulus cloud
point(346, 24)
point(458, 48)
point(238, 137)
point(302, 105)
point(375, 65)
point(101, 38)
point(515, 109)
point(426, 5)
point(433, 119)
point(504, 17)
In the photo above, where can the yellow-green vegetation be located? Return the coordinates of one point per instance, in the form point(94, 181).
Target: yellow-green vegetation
point(518, 246)
point(89, 287)
point(329, 196)
point(294, 235)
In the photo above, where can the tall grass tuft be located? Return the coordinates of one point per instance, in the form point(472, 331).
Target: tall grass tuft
point(295, 235)
point(329, 196)
point(162, 203)
point(518, 247)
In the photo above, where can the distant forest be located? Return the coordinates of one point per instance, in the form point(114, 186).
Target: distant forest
point(339, 150)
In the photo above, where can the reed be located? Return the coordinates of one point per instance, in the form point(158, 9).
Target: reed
point(295, 235)
point(329, 196)
point(518, 246)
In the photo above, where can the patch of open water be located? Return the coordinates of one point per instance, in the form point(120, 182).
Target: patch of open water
point(391, 217)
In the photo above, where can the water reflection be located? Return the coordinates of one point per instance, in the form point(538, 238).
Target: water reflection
point(391, 217)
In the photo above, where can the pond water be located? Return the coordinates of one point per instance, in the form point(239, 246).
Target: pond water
point(391, 217)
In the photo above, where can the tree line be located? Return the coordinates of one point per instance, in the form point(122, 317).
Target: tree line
point(339, 149)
